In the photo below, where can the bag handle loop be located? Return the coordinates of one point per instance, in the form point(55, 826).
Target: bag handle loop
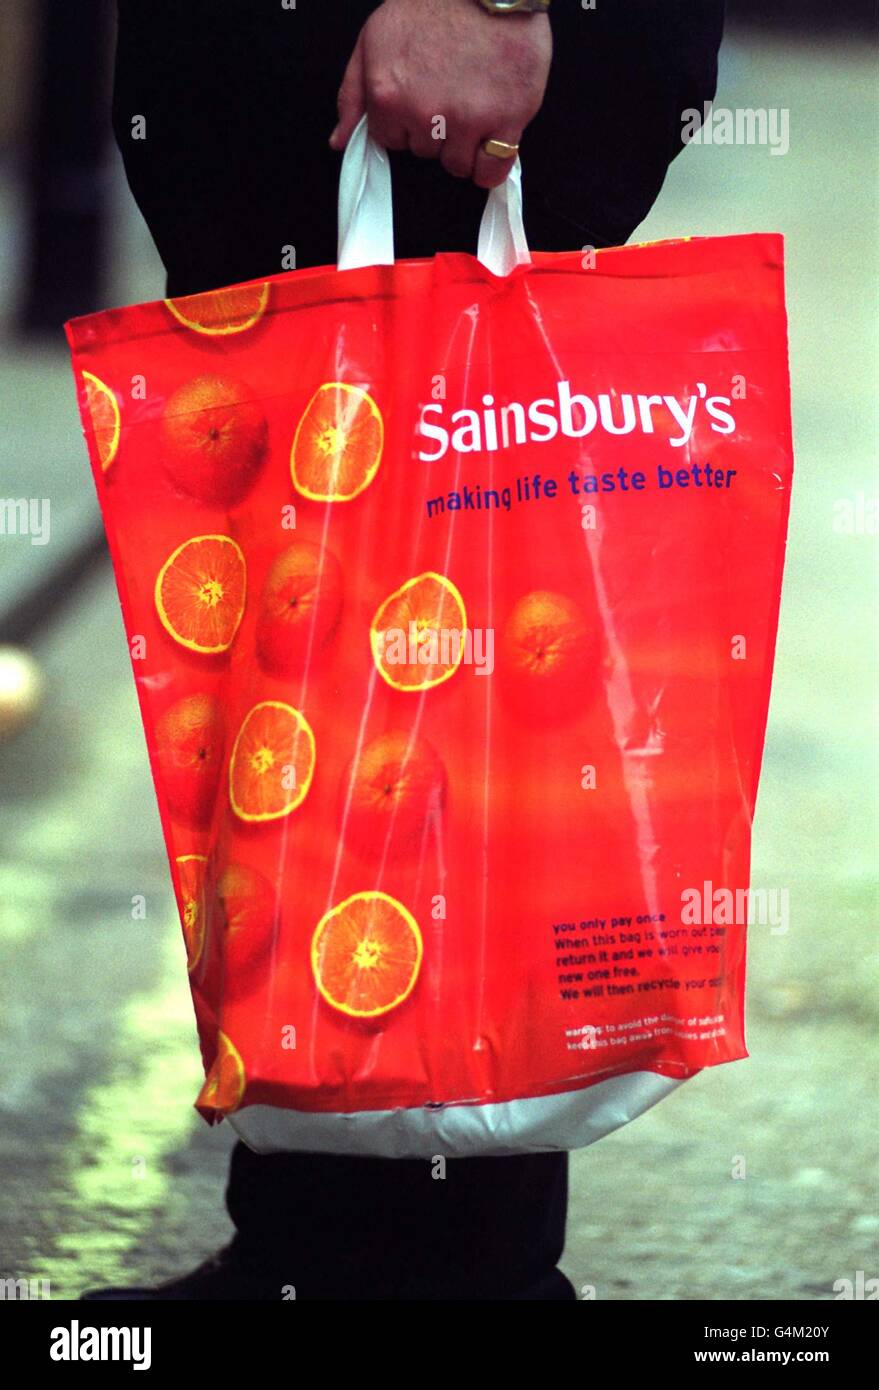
point(366, 219)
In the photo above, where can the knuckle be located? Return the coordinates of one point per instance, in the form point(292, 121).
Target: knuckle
point(421, 124)
point(470, 118)
point(383, 93)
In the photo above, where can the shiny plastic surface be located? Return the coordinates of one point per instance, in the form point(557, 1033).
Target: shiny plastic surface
point(588, 464)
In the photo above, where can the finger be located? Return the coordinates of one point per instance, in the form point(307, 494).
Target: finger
point(488, 170)
point(458, 153)
point(385, 114)
point(390, 133)
point(425, 138)
point(350, 100)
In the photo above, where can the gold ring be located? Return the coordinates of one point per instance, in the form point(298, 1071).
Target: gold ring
point(499, 149)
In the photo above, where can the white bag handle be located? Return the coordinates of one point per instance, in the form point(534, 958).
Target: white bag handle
point(366, 219)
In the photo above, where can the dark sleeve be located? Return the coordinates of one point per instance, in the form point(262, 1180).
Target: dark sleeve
point(238, 98)
point(622, 76)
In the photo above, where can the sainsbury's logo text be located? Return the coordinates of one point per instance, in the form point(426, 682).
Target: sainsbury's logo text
point(571, 414)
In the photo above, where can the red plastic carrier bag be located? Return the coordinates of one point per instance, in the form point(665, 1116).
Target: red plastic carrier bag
point(451, 587)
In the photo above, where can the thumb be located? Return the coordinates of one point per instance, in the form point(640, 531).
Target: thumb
point(350, 100)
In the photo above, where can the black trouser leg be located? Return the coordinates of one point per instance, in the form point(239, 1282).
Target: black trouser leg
point(344, 1228)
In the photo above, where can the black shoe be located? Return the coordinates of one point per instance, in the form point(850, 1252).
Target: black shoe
point(228, 1276)
point(232, 1277)
point(553, 1288)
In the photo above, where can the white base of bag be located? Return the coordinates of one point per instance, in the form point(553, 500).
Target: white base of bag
point(536, 1125)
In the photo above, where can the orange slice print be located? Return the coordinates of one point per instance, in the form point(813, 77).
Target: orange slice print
point(200, 593)
point(191, 902)
point(417, 635)
point(223, 1089)
point(272, 762)
point(338, 443)
point(366, 955)
point(103, 408)
point(218, 313)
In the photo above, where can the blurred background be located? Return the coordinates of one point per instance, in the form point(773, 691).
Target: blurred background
point(753, 1181)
